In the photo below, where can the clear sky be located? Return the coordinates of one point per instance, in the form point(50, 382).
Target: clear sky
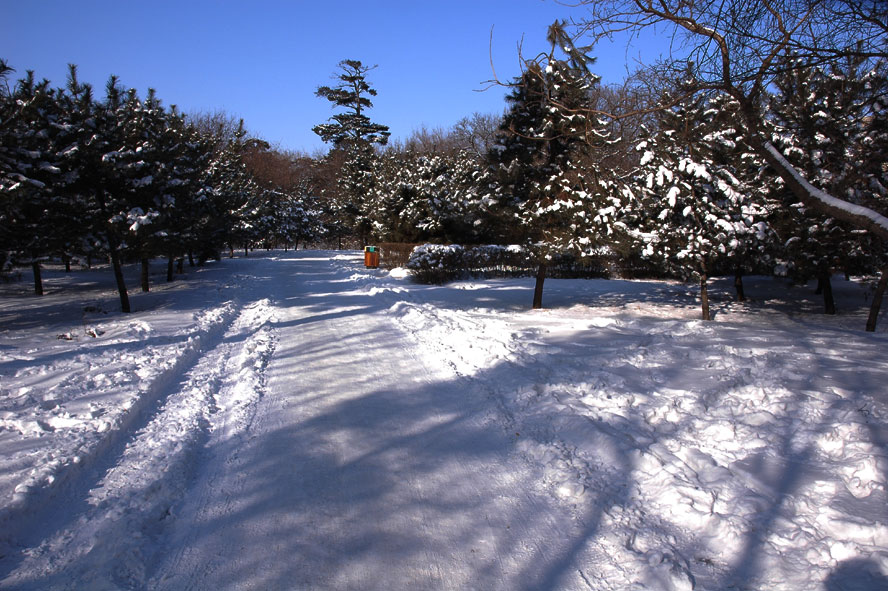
point(263, 59)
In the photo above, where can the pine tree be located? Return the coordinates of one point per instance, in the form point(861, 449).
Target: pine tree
point(352, 132)
point(426, 198)
point(33, 214)
point(871, 148)
point(544, 198)
point(692, 211)
point(819, 120)
point(351, 127)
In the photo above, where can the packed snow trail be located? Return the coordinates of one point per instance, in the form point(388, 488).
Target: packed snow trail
point(364, 469)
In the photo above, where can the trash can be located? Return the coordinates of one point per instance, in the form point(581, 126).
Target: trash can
point(371, 257)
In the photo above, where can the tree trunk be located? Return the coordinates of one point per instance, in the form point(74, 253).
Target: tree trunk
point(829, 303)
point(170, 275)
point(67, 260)
point(877, 301)
point(738, 284)
point(191, 258)
point(704, 297)
point(114, 255)
point(145, 275)
point(118, 277)
point(38, 279)
point(180, 265)
point(538, 288)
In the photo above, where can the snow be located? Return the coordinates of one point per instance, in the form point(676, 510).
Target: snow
point(293, 420)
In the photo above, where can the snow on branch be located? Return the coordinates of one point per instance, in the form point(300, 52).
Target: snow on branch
point(856, 214)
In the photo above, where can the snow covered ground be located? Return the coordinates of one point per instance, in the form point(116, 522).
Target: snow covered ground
point(295, 421)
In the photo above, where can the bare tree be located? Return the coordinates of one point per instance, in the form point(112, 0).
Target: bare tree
point(221, 125)
point(477, 133)
point(424, 140)
point(733, 46)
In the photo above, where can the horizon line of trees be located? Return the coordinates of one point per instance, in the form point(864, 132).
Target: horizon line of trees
point(673, 172)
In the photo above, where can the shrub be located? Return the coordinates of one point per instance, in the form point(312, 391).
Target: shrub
point(436, 263)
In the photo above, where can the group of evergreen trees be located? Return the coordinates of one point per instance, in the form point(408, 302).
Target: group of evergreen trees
point(688, 195)
point(124, 178)
point(676, 186)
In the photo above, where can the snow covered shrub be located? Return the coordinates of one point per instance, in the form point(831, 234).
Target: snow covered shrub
point(495, 260)
point(436, 263)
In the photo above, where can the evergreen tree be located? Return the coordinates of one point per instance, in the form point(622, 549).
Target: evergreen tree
point(692, 212)
point(543, 197)
point(120, 177)
point(351, 127)
point(352, 132)
point(870, 152)
point(819, 120)
point(427, 198)
point(30, 212)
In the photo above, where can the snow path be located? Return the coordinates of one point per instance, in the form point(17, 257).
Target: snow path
point(364, 469)
point(293, 420)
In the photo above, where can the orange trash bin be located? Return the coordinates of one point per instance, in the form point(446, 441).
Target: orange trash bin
point(371, 257)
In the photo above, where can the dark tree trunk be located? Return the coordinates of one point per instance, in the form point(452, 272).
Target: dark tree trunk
point(118, 277)
point(170, 275)
point(704, 297)
point(67, 260)
point(738, 284)
point(145, 275)
point(829, 303)
point(877, 301)
point(190, 258)
point(38, 279)
point(114, 255)
point(538, 288)
point(180, 265)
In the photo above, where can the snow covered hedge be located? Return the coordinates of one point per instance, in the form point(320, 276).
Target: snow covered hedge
point(438, 263)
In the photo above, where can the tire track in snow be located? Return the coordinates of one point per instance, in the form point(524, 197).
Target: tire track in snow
point(45, 494)
point(109, 544)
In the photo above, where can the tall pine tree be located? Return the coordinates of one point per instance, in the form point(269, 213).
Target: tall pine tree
point(353, 133)
point(544, 197)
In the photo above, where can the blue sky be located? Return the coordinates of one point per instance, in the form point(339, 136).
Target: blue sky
point(262, 60)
